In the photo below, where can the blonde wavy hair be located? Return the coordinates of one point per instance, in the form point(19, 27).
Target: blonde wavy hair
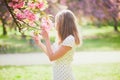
point(65, 23)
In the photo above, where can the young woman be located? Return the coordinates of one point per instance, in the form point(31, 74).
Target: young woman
point(62, 51)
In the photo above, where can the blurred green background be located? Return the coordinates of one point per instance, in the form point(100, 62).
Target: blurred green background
point(93, 39)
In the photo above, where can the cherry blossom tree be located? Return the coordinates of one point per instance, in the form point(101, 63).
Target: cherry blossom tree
point(4, 16)
point(28, 14)
point(97, 10)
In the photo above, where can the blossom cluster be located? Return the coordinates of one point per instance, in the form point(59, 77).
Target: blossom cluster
point(46, 23)
point(30, 12)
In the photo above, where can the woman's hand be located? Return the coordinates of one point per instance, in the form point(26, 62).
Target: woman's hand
point(44, 34)
point(36, 37)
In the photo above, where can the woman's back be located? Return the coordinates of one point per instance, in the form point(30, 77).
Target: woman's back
point(62, 67)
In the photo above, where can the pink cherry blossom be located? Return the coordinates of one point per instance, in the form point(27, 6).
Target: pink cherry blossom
point(19, 5)
point(20, 16)
point(31, 4)
point(10, 4)
point(46, 23)
point(15, 0)
point(16, 5)
point(29, 15)
point(26, 11)
point(17, 11)
point(29, 11)
point(40, 5)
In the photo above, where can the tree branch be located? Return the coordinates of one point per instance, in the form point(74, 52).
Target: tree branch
point(16, 22)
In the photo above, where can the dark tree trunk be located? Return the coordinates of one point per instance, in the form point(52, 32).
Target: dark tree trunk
point(4, 28)
point(115, 24)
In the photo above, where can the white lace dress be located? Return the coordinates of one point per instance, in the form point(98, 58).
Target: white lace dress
point(62, 67)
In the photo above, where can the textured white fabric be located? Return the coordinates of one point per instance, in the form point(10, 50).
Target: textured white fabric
point(62, 67)
point(69, 41)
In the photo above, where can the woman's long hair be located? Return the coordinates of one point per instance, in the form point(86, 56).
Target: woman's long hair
point(65, 23)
